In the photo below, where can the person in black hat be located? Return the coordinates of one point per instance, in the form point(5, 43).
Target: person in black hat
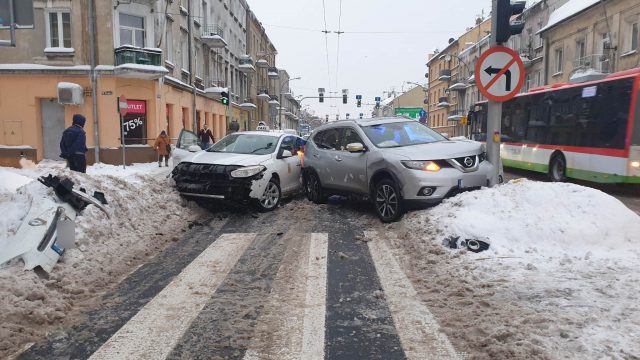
point(73, 145)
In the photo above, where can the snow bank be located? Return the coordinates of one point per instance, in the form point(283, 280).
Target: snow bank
point(10, 181)
point(526, 217)
point(560, 280)
point(146, 216)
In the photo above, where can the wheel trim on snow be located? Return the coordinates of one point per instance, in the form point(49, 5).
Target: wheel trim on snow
point(270, 196)
point(386, 201)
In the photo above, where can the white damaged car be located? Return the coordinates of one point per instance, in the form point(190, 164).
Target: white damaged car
point(244, 167)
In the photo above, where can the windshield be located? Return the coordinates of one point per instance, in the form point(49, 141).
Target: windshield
point(246, 144)
point(401, 134)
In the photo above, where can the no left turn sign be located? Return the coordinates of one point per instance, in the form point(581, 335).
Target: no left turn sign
point(499, 73)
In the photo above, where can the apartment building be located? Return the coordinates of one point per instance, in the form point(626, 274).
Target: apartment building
point(450, 77)
point(530, 44)
point(170, 59)
point(409, 103)
point(289, 109)
point(260, 86)
point(587, 37)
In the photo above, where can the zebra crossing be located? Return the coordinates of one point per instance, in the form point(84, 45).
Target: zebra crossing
point(274, 296)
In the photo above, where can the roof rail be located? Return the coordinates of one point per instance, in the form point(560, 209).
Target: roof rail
point(618, 74)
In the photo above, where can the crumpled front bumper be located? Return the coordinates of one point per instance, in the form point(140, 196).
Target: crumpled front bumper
point(212, 181)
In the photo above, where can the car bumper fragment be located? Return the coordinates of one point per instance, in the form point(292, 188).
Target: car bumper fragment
point(212, 181)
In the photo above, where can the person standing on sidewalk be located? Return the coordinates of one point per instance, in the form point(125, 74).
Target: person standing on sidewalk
point(234, 126)
point(205, 135)
point(73, 145)
point(163, 148)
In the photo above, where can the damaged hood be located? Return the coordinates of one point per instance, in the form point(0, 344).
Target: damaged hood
point(438, 150)
point(221, 158)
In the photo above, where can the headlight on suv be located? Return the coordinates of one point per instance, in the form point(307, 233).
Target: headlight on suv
point(421, 165)
point(247, 171)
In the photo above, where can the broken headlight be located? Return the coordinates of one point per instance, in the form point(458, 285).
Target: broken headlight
point(247, 171)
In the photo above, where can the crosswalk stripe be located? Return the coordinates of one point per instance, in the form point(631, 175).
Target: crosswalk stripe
point(314, 312)
point(292, 324)
point(417, 328)
point(153, 331)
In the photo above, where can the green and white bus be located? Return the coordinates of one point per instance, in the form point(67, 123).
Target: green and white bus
point(587, 131)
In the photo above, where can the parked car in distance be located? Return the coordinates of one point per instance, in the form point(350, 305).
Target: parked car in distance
point(244, 167)
point(393, 162)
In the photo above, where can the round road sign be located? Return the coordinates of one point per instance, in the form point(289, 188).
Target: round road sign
point(499, 73)
point(123, 105)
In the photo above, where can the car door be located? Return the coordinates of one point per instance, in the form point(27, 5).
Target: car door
point(352, 170)
point(288, 168)
point(326, 158)
point(185, 146)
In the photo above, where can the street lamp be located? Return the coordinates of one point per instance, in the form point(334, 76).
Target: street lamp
point(280, 98)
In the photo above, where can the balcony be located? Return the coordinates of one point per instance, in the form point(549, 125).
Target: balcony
point(598, 62)
point(138, 63)
point(248, 104)
point(458, 84)
point(213, 88)
point(443, 101)
point(213, 36)
point(456, 115)
point(444, 75)
point(274, 101)
point(263, 94)
point(262, 63)
point(245, 64)
point(273, 73)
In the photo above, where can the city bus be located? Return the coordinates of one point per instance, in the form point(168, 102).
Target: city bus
point(588, 131)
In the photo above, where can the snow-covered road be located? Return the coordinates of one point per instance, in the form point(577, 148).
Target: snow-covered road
point(560, 279)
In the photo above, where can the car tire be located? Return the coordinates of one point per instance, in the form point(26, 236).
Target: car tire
point(558, 168)
point(314, 190)
point(388, 201)
point(271, 196)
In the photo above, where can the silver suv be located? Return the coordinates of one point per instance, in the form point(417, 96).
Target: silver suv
point(391, 161)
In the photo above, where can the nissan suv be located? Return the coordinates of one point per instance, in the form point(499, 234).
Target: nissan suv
point(391, 161)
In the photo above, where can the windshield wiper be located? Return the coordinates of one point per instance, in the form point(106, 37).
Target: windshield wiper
point(263, 148)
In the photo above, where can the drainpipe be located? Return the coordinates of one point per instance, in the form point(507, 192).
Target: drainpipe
point(191, 62)
point(94, 80)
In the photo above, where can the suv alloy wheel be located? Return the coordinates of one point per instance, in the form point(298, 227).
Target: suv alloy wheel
point(388, 201)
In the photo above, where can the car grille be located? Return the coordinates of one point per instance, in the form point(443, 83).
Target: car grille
point(465, 163)
point(211, 179)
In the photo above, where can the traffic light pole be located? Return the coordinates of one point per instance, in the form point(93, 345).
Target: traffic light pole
point(494, 115)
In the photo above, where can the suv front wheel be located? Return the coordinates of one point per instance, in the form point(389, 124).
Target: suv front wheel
point(388, 201)
point(314, 190)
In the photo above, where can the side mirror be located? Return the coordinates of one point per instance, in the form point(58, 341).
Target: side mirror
point(355, 147)
point(286, 154)
point(194, 148)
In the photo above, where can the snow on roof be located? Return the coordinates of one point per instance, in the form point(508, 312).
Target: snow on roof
point(142, 67)
point(68, 85)
point(41, 67)
point(567, 11)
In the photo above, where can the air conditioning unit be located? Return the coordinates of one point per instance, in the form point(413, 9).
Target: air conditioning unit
point(70, 94)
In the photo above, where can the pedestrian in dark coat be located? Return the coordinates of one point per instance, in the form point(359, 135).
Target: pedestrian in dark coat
point(73, 145)
point(204, 135)
point(163, 148)
point(234, 126)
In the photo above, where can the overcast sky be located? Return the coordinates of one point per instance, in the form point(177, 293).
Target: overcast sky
point(368, 63)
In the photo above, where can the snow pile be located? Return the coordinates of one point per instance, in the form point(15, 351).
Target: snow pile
point(10, 181)
point(559, 281)
point(527, 217)
point(146, 216)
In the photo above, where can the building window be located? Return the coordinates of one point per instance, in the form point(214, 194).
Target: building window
point(169, 40)
point(559, 60)
point(580, 49)
point(131, 30)
point(633, 43)
point(59, 29)
point(184, 50)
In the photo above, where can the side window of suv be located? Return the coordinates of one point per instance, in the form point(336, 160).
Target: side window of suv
point(328, 139)
point(350, 136)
